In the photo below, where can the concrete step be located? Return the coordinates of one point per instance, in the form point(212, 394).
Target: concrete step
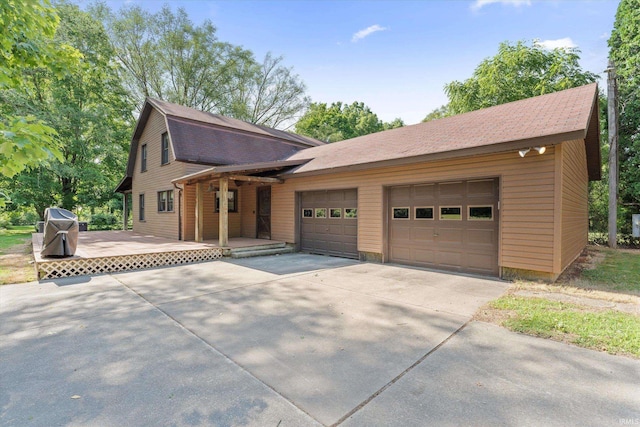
point(262, 252)
point(276, 245)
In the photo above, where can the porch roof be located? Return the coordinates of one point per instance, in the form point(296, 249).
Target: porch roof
point(248, 168)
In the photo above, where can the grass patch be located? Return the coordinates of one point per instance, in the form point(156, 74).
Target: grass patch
point(619, 271)
point(611, 331)
point(13, 236)
point(15, 255)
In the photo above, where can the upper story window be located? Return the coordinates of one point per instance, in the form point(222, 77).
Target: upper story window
point(165, 149)
point(143, 158)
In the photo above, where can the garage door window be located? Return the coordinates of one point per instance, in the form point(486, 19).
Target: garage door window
point(400, 213)
point(335, 213)
point(480, 213)
point(307, 213)
point(321, 212)
point(424, 213)
point(451, 213)
point(350, 213)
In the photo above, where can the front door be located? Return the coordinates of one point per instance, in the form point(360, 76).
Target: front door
point(264, 213)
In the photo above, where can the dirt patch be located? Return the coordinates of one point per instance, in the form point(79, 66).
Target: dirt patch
point(16, 265)
point(589, 259)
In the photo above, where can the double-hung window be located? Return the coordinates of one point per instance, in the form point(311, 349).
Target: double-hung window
point(143, 158)
point(141, 207)
point(165, 201)
point(165, 149)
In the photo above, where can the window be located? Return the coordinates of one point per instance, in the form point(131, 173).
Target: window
point(143, 158)
point(307, 213)
point(449, 213)
point(335, 213)
point(424, 213)
point(351, 213)
point(165, 201)
point(321, 212)
point(481, 213)
point(170, 201)
point(400, 213)
point(232, 197)
point(141, 207)
point(165, 149)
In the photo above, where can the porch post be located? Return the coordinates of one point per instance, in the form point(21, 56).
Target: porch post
point(125, 211)
point(199, 212)
point(223, 221)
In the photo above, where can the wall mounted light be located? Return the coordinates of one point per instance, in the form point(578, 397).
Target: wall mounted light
point(524, 151)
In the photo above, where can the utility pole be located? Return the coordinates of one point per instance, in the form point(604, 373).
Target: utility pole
point(612, 97)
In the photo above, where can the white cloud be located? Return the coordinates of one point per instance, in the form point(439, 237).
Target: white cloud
point(557, 44)
point(479, 4)
point(366, 32)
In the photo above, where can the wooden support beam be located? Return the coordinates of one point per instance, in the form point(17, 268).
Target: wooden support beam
point(256, 179)
point(125, 211)
point(199, 212)
point(223, 218)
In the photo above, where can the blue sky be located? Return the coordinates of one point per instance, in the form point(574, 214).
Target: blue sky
point(396, 56)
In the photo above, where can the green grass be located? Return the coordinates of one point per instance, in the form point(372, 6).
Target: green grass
point(619, 271)
point(13, 236)
point(611, 331)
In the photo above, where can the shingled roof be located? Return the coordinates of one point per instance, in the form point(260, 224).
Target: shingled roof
point(542, 120)
point(210, 139)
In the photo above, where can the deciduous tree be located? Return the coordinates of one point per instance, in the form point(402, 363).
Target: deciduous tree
point(338, 121)
point(517, 71)
point(624, 46)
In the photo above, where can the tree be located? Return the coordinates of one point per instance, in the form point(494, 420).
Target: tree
point(87, 108)
point(341, 121)
point(166, 56)
point(517, 72)
point(27, 28)
point(624, 45)
point(438, 113)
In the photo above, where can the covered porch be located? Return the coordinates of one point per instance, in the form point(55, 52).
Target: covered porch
point(101, 252)
point(245, 212)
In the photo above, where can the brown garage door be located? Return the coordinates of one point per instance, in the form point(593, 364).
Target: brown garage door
point(329, 222)
point(449, 225)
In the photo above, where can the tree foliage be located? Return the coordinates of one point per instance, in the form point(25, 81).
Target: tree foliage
point(624, 45)
point(338, 121)
point(438, 113)
point(517, 71)
point(88, 111)
point(164, 55)
point(27, 29)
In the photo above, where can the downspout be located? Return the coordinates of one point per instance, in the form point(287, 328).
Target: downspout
point(179, 209)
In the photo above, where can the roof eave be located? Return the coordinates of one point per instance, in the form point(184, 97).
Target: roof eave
point(217, 171)
point(497, 148)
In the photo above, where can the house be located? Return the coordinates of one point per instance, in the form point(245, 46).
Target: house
point(500, 191)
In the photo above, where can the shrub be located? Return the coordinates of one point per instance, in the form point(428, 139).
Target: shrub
point(103, 221)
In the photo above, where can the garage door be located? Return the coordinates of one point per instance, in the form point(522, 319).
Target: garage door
point(329, 222)
point(448, 225)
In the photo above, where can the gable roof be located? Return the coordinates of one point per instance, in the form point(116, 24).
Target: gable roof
point(543, 120)
point(210, 139)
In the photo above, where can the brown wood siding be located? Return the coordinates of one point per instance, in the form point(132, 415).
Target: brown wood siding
point(156, 178)
point(575, 183)
point(248, 200)
point(211, 227)
point(526, 214)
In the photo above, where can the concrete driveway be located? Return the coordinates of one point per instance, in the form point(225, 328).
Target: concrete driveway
point(289, 340)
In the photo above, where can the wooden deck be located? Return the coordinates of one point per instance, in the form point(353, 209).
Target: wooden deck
point(101, 252)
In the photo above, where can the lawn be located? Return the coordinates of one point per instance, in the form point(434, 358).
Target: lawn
point(15, 255)
point(608, 330)
point(596, 308)
point(619, 271)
